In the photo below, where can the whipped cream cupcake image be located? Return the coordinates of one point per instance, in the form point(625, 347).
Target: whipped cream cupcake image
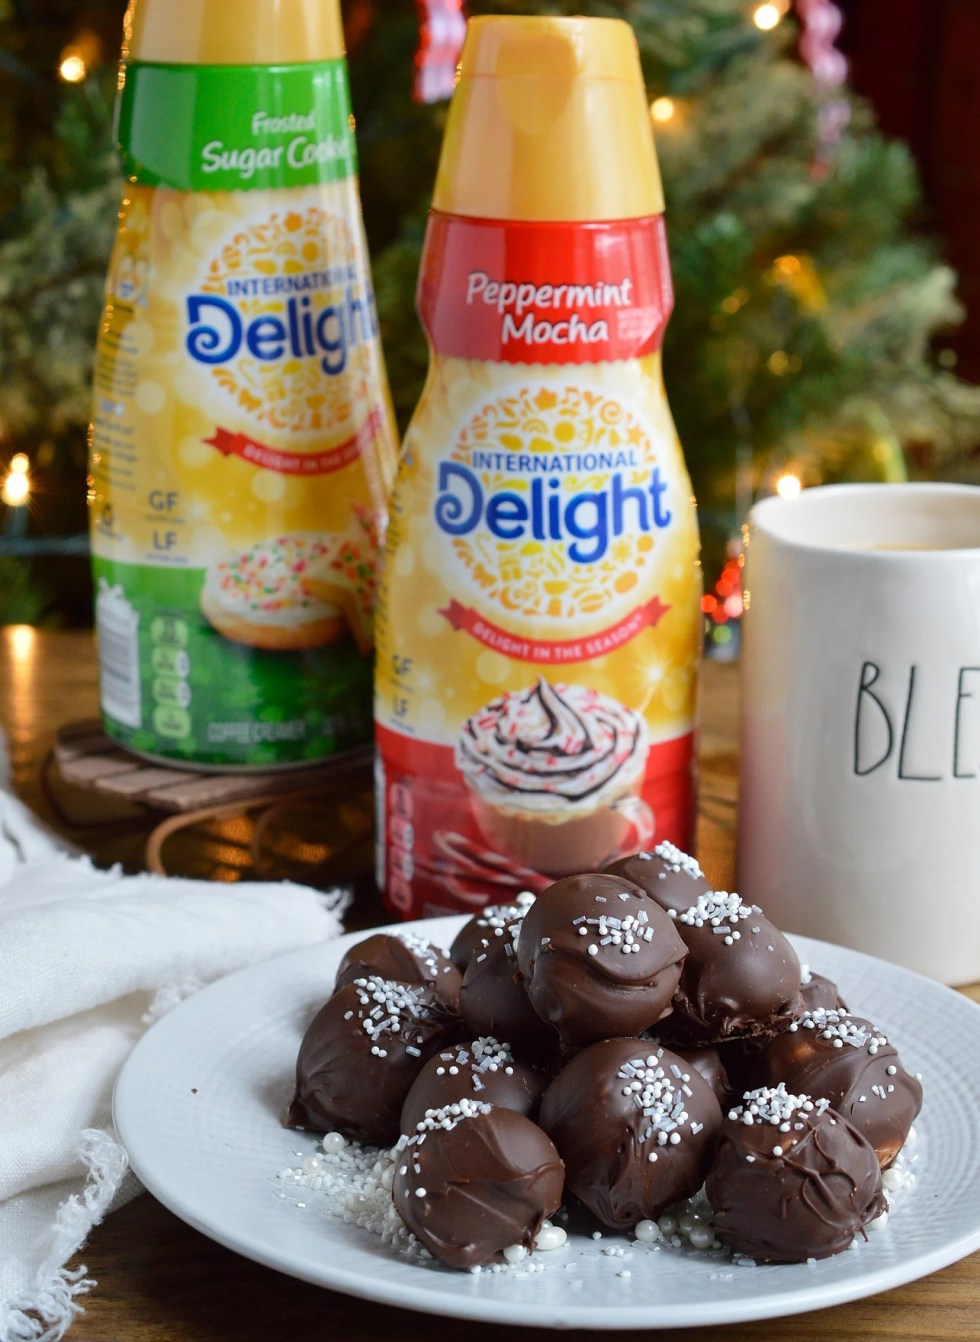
point(554, 772)
point(260, 596)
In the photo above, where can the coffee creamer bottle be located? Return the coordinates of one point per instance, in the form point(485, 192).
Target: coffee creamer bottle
point(242, 441)
point(539, 623)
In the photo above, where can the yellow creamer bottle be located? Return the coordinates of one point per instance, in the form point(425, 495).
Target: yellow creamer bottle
point(539, 621)
point(242, 441)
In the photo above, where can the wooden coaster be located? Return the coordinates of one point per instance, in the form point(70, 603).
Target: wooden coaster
point(86, 758)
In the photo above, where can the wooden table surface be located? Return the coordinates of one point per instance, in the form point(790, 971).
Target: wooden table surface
point(160, 1281)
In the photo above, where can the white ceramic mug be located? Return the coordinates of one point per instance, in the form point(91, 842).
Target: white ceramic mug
point(859, 800)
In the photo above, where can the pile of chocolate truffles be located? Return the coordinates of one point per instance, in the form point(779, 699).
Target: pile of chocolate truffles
point(616, 1044)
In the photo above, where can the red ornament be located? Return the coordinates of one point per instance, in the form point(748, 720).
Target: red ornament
point(443, 27)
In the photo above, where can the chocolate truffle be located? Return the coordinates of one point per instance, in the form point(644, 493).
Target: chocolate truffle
point(482, 925)
point(599, 958)
point(493, 999)
point(792, 1179)
point(474, 1180)
point(852, 1065)
point(710, 1065)
point(405, 958)
point(360, 1055)
point(483, 1070)
point(668, 875)
point(818, 992)
point(635, 1126)
point(741, 978)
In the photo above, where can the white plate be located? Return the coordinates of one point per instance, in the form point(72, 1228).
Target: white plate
point(199, 1101)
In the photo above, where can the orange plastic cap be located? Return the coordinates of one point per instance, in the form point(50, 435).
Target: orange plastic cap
point(549, 121)
point(233, 32)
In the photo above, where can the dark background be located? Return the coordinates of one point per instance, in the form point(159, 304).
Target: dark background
point(918, 63)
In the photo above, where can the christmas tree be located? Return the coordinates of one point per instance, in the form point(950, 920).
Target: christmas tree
point(801, 347)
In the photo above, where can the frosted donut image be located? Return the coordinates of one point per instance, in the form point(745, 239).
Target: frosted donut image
point(345, 575)
point(259, 597)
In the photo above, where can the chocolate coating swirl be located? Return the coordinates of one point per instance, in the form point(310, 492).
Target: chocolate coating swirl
point(550, 745)
point(792, 1179)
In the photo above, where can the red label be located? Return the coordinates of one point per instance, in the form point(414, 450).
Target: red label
point(440, 858)
point(545, 293)
point(554, 651)
point(296, 463)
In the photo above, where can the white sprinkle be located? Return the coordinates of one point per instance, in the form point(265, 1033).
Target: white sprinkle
point(549, 1237)
point(333, 1143)
point(676, 860)
point(647, 1232)
point(514, 1253)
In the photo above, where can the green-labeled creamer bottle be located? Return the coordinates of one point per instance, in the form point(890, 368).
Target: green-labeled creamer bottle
point(242, 441)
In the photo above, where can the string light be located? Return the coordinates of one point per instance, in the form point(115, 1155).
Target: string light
point(72, 67)
point(789, 486)
point(785, 267)
point(22, 642)
point(663, 109)
point(766, 17)
point(16, 487)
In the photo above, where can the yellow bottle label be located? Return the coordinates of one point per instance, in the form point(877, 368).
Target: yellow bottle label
point(242, 450)
point(539, 628)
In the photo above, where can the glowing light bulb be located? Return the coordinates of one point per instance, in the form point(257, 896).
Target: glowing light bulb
point(19, 463)
point(16, 489)
point(72, 68)
point(789, 486)
point(662, 109)
point(766, 17)
point(21, 641)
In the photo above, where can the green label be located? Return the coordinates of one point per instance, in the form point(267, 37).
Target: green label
point(171, 685)
point(236, 127)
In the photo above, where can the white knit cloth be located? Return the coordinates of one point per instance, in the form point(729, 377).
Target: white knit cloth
point(88, 959)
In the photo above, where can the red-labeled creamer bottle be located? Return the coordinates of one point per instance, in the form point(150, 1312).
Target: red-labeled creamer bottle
point(538, 629)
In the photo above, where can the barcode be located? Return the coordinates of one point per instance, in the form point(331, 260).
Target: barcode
point(119, 662)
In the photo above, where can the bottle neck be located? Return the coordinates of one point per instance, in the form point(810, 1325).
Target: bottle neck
point(233, 32)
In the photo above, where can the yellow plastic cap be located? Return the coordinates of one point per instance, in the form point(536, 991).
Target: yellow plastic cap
point(233, 32)
point(549, 121)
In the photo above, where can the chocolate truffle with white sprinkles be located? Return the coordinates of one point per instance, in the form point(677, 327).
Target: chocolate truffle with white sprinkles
point(710, 1065)
point(360, 1055)
point(792, 1179)
point(819, 992)
point(850, 1063)
point(481, 1069)
point(741, 978)
point(405, 958)
point(482, 925)
point(636, 1127)
point(668, 875)
point(599, 958)
point(493, 999)
point(473, 1181)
